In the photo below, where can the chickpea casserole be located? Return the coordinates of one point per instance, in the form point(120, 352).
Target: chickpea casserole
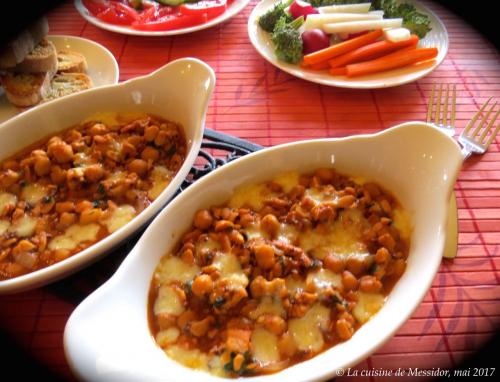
point(284, 270)
point(65, 193)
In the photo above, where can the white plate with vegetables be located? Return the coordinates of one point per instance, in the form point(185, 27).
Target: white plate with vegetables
point(158, 17)
point(360, 46)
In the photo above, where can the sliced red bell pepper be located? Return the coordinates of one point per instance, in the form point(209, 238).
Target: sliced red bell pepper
point(170, 22)
point(95, 6)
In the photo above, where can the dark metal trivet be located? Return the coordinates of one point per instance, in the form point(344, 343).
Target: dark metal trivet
point(78, 286)
point(214, 140)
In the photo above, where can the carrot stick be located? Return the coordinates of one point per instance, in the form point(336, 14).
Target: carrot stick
point(338, 71)
point(395, 60)
point(371, 51)
point(341, 48)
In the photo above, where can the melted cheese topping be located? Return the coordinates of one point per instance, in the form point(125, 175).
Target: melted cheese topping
point(250, 195)
point(172, 268)
point(4, 226)
point(75, 235)
point(402, 222)
point(306, 331)
point(367, 305)
point(294, 284)
point(287, 233)
point(230, 269)
point(167, 336)
point(7, 199)
point(168, 301)
point(343, 237)
point(120, 216)
point(265, 346)
point(24, 227)
point(209, 244)
point(33, 193)
point(195, 359)
point(319, 196)
point(268, 305)
point(161, 178)
point(287, 180)
point(324, 278)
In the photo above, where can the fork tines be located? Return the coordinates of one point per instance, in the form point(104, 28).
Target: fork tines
point(442, 105)
point(485, 138)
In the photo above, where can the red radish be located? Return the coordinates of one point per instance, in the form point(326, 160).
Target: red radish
point(314, 40)
point(301, 8)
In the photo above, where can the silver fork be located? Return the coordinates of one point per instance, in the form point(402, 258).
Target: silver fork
point(481, 137)
point(443, 105)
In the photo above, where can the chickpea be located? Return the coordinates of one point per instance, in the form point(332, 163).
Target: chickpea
point(185, 318)
point(355, 265)
point(57, 175)
point(67, 218)
point(94, 173)
point(42, 165)
point(23, 246)
point(270, 224)
point(382, 256)
point(61, 152)
point(369, 284)
point(83, 205)
point(264, 254)
point(334, 263)
point(65, 207)
point(8, 178)
point(150, 153)
point(349, 281)
point(344, 329)
point(202, 285)
point(346, 201)
point(273, 323)
point(61, 254)
point(128, 149)
point(386, 206)
point(200, 328)
point(98, 129)
point(387, 241)
point(238, 362)
point(150, 133)
point(161, 138)
point(203, 219)
point(91, 215)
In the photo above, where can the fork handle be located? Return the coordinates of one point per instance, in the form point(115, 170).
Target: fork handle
point(466, 152)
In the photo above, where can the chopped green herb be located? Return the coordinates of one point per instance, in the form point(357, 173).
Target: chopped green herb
point(219, 301)
point(188, 286)
point(171, 151)
point(47, 199)
point(101, 189)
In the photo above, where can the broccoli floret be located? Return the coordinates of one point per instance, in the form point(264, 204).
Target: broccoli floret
point(269, 19)
point(418, 23)
point(287, 40)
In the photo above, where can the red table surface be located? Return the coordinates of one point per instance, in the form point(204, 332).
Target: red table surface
point(256, 101)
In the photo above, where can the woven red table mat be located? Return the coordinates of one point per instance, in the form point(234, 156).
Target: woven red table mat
point(256, 101)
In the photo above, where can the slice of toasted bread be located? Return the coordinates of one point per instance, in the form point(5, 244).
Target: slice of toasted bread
point(69, 61)
point(41, 59)
point(24, 90)
point(67, 83)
